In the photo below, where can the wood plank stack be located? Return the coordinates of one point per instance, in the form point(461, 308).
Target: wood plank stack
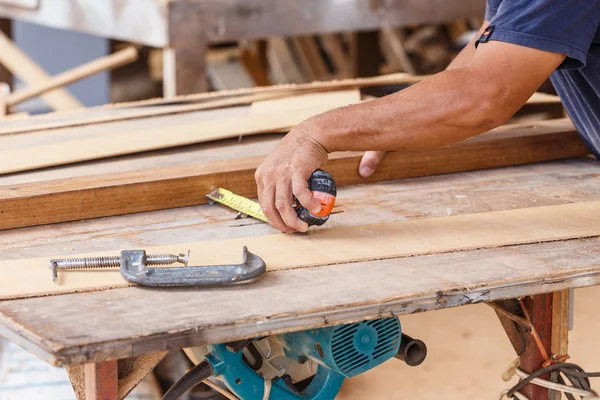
point(162, 154)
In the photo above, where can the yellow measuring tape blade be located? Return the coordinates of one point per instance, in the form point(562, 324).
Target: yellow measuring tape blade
point(238, 203)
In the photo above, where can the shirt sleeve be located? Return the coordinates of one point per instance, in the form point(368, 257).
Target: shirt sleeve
point(491, 9)
point(559, 26)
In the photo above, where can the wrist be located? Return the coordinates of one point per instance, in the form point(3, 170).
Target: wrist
point(325, 128)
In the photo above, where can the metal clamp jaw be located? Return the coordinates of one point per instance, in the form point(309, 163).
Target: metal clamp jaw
point(135, 269)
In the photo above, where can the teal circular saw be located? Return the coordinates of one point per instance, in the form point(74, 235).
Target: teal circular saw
point(310, 364)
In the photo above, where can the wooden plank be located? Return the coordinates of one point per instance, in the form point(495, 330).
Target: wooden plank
point(139, 21)
point(17, 62)
point(255, 62)
point(560, 326)
point(479, 191)
point(234, 19)
point(184, 70)
point(38, 150)
point(310, 58)
point(539, 309)
point(334, 47)
point(4, 93)
point(211, 100)
point(5, 75)
point(314, 297)
point(559, 343)
point(25, 4)
point(31, 278)
point(543, 184)
point(101, 381)
point(284, 68)
point(108, 62)
point(185, 104)
point(119, 192)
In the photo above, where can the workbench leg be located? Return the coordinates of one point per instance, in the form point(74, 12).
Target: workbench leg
point(184, 70)
point(101, 381)
point(539, 309)
point(560, 328)
point(545, 338)
point(184, 60)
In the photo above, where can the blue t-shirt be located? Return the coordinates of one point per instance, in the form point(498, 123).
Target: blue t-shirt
point(570, 27)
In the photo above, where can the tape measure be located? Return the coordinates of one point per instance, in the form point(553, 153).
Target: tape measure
point(321, 184)
point(238, 203)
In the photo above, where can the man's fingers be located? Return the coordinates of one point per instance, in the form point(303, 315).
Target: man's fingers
point(303, 194)
point(267, 204)
point(369, 163)
point(283, 204)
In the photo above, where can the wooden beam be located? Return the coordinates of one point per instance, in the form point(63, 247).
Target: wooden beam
point(17, 62)
point(131, 371)
point(539, 310)
point(63, 79)
point(234, 19)
point(559, 345)
point(334, 47)
point(119, 193)
point(101, 381)
point(184, 59)
point(6, 28)
point(39, 150)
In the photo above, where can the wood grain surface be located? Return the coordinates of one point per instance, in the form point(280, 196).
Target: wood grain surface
point(89, 193)
point(39, 149)
point(320, 247)
point(127, 321)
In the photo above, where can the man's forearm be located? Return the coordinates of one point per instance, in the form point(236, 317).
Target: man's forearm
point(446, 108)
point(433, 113)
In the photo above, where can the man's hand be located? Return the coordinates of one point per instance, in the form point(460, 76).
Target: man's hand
point(285, 172)
point(369, 162)
point(446, 108)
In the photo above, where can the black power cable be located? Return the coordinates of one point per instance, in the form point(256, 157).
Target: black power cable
point(191, 379)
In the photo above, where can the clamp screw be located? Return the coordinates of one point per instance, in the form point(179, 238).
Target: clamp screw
point(112, 262)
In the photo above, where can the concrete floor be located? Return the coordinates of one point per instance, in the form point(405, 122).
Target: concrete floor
point(468, 352)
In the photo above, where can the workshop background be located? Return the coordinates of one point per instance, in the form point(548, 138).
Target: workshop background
point(468, 351)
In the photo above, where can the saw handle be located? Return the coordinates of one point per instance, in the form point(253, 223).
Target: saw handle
point(323, 188)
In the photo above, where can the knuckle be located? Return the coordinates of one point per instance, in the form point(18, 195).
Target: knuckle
point(280, 203)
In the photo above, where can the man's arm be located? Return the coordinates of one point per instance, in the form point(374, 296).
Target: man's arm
point(449, 107)
point(371, 159)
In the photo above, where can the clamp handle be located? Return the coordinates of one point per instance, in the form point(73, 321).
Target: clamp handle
point(134, 269)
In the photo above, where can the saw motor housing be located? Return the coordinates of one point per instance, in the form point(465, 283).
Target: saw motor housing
point(309, 364)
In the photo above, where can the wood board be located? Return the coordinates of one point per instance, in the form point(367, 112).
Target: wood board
point(120, 192)
point(212, 100)
point(24, 152)
point(127, 322)
point(321, 247)
point(196, 102)
point(315, 297)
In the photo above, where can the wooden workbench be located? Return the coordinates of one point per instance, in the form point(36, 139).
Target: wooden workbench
point(184, 28)
point(96, 327)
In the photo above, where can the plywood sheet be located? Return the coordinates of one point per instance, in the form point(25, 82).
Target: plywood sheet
point(24, 152)
point(31, 277)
